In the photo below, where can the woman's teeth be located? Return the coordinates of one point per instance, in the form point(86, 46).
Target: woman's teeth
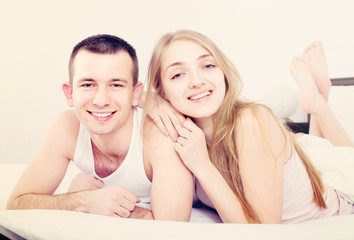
point(196, 97)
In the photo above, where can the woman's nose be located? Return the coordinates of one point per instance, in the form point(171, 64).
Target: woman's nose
point(196, 80)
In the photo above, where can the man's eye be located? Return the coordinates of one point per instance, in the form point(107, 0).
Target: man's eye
point(87, 85)
point(117, 85)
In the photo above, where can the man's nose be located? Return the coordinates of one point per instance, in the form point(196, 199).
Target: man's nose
point(101, 97)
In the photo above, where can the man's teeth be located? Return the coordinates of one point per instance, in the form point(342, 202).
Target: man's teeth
point(200, 95)
point(101, 114)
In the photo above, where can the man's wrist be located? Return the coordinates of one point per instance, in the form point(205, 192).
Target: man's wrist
point(141, 213)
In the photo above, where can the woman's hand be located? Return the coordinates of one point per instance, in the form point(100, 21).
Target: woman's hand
point(166, 117)
point(191, 146)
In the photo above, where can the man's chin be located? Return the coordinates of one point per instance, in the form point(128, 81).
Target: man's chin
point(99, 131)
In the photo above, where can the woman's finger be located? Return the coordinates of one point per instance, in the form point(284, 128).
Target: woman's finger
point(159, 123)
point(169, 127)
point(182, 141)
point(190, 125)
point(184, 132)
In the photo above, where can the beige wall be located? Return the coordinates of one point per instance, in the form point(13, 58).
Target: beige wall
point(259, 36)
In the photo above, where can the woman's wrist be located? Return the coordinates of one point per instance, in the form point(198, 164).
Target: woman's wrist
point(205, 171)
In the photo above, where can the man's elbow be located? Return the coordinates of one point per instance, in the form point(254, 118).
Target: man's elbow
point(16, 202)
point(12, 204)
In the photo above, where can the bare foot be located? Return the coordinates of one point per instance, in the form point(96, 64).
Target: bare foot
point(310, 96)
point(315, 55)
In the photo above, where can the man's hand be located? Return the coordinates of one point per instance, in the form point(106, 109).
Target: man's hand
point(83, 181)
point(110, 201)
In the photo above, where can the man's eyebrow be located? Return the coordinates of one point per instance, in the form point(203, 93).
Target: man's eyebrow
point(119, 80)
point(112, 80)
point(85, 80)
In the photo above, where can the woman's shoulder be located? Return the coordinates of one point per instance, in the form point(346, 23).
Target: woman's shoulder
point(258, 125)
point(254, 111)
point(258, 118)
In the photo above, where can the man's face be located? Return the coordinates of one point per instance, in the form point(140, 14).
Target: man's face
point(102, 92)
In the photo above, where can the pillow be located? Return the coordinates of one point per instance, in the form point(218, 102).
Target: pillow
point(341, 101)
point(336, 164)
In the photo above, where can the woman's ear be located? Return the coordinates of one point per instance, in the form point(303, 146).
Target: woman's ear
point(68, 92)
point(137, 91)
point(162, 94)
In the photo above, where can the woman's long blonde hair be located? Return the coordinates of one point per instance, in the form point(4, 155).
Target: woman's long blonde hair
point(222, 150)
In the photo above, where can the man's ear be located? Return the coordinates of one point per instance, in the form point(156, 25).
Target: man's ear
point(137, 91)
point(68, 92)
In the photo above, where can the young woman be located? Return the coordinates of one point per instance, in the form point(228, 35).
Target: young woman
point(248, 165)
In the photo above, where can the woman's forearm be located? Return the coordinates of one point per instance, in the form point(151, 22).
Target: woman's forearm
point(220, 194)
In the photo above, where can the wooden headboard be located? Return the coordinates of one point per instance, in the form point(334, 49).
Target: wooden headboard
point(342, 81)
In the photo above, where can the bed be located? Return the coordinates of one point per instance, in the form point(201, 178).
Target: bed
point(205, 223)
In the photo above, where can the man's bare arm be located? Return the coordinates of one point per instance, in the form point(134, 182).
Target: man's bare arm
point(43, 175)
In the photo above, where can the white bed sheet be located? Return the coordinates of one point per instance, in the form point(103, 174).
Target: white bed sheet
point(54, 224)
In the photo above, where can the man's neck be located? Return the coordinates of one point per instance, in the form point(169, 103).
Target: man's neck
point(110, 150)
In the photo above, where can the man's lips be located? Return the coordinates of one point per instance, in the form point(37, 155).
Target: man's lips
point(200, 95)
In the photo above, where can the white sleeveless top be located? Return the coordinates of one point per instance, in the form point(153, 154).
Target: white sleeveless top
point(298, 204)
point(298, 194)
point(130, 174)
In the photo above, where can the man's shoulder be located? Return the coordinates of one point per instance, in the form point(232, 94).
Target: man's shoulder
point(67, 120)
point(152, 133)
point(61, 135)
point(65, 127)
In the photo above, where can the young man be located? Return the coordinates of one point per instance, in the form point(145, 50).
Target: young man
point(102, 136)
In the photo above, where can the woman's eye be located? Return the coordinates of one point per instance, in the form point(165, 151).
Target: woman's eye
point(177, 75)
point(209, 66)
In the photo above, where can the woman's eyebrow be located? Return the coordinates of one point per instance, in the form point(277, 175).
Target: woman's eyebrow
point(204, 56)
point(181, 63)
point(174, 64)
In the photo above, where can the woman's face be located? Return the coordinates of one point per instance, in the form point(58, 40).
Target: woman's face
point(191, 79)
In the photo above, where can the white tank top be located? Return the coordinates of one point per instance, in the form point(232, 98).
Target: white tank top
point(130, 174)
point(298, 194)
